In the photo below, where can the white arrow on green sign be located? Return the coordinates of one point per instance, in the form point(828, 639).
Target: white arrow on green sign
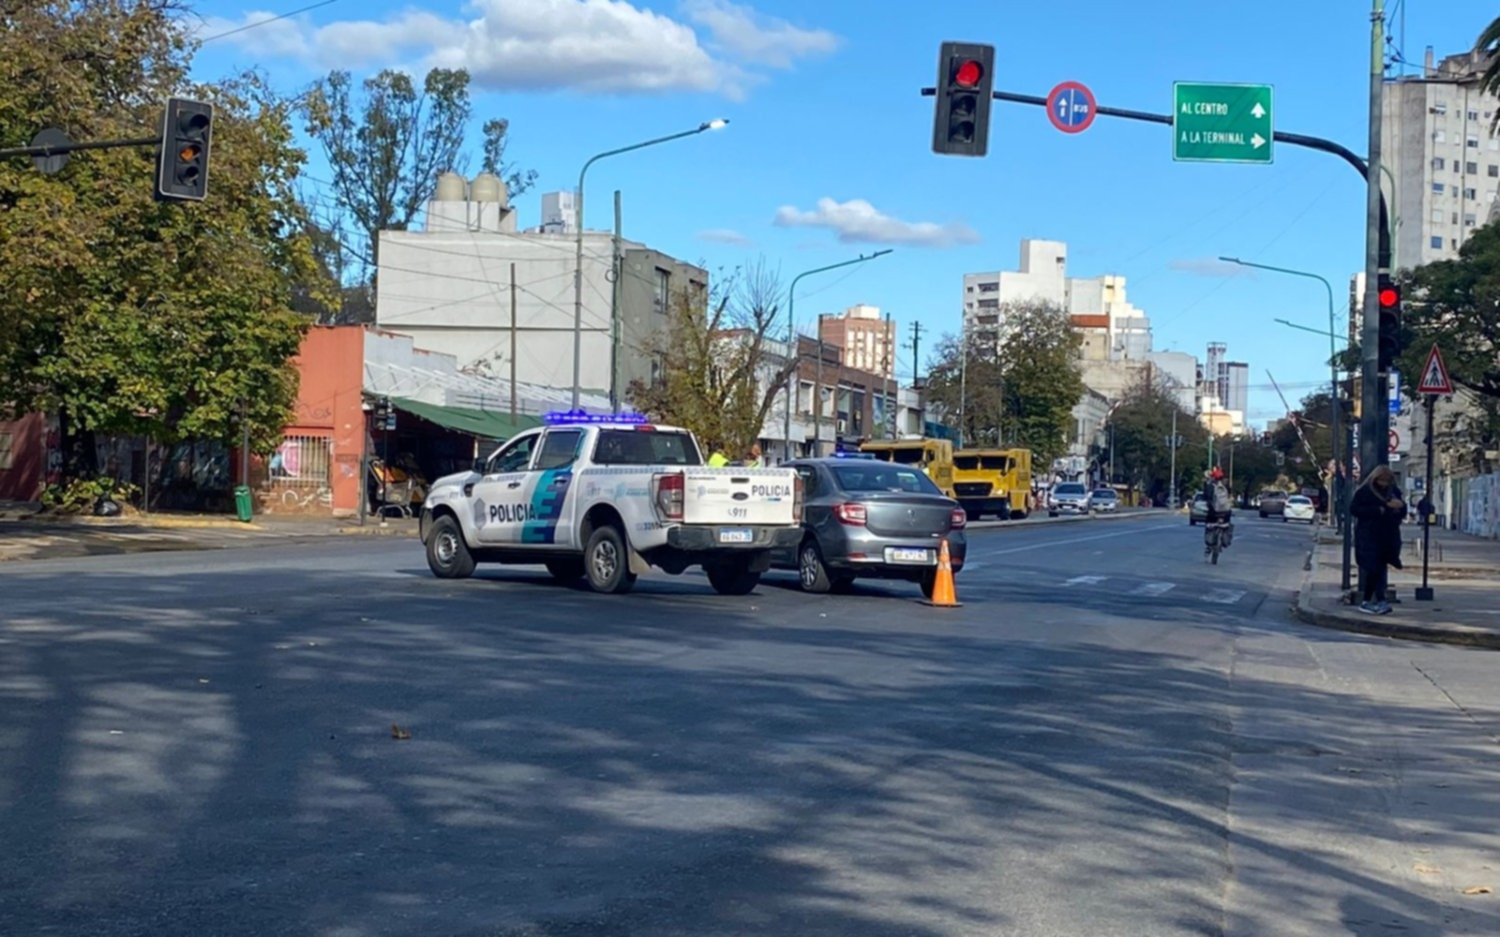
point(1221, 123)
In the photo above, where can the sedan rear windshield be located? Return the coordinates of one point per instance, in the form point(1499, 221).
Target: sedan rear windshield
point(1068, 490)
point(876, 476)
point(645, 447)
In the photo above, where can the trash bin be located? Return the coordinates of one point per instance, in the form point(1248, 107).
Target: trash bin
point(243, 505)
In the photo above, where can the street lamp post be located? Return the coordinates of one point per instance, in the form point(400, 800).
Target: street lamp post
point(578, 240)
point(1338, 486)
point(791, 347)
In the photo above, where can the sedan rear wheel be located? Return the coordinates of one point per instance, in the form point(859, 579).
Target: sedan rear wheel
point(811, 571)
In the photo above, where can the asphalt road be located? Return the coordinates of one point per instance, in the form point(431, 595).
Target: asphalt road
point(1109, 737)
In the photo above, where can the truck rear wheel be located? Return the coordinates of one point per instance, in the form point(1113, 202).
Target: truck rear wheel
point(732, 577)
point(447, 555)
point(606, 561)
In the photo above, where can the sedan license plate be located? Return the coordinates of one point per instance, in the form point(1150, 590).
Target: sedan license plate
point(737, 535)
point(908, 555)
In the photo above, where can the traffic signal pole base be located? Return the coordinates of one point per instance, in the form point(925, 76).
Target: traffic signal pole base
point(1424, 594)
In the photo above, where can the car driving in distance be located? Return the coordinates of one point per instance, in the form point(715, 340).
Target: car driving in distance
point(1198, 511)
point(1069, 498)
point(866, 518)
point(1272, 502)
point(1299, 508)
point(1105, 500)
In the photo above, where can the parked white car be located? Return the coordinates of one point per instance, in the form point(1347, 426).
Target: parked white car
point(1299, 508)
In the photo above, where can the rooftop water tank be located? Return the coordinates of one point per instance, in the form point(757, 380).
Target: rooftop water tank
point(488, 187)
point(451, 187)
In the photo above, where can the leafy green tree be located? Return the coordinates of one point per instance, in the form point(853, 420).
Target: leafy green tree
point(119, 313)
point(720, 371)
point(1143, 433)
point(1021, 382)
point(1455, 304)
point(386, 152)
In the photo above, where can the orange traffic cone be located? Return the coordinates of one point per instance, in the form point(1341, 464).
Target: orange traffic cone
point(943, 594)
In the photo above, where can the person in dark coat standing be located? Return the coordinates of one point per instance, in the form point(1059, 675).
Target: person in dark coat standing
point(1379, 509)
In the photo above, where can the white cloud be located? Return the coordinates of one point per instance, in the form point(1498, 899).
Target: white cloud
point(858, 222)
point(607, 46)
point(725, 236)
point(756, 37)
point(1208, 267)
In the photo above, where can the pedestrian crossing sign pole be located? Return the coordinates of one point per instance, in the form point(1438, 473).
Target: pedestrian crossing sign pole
point(1435, 383)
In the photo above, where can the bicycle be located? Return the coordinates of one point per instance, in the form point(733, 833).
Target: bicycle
point(1217, 537)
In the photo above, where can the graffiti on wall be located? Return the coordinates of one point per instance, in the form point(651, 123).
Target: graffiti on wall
point(1481, 500)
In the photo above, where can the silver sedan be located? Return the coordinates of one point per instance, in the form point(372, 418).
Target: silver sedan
point(864, 518)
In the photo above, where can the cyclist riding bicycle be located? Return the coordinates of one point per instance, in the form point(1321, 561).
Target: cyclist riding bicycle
point(1216, 496)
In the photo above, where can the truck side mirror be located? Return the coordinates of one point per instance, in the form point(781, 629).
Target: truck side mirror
point(479, 465)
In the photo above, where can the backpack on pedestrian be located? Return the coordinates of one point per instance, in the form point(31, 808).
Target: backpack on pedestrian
point(1221, 501)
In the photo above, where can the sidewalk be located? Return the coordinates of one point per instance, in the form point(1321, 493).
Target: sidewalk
point(1464, 574)
point(26, 534)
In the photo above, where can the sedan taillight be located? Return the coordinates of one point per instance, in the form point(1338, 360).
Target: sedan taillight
point(851, 514)
point(960, 519)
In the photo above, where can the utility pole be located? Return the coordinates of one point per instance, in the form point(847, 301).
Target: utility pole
point(513, 347)
point(892, 389)
point(916, 351)
point(1172, 441)
point(1373, 414)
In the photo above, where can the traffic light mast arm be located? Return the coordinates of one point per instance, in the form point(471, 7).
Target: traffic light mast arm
point(1280, 136)
point(57, 149)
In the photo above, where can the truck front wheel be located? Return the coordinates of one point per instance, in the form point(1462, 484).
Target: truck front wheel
point(732, 577)
point(447, 555)
point(606, 561)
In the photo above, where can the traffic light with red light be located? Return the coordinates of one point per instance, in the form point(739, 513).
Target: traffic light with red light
point(182, 166)
point(961, 121)
point(1389, 296)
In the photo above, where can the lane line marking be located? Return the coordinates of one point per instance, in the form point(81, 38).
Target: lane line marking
point(1032, 547)
point(1154, 588)
point(1224, 596)
point(1085, 580)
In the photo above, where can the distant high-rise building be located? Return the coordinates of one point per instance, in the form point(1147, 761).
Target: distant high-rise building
point(867, 340)
point(1234, 386)
point(1435, 141)
point(1211, 367)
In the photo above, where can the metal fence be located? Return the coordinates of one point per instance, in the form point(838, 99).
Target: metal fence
point(300, 473)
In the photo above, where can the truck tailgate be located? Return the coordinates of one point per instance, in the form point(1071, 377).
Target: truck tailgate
point(747, 497)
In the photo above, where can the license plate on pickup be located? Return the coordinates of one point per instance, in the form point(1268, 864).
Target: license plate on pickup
point(908, 555)
point(737, 535)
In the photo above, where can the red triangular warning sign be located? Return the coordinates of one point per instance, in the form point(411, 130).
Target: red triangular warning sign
point(1435, 378)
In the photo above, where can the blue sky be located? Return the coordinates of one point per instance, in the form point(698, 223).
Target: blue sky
point(824, 111)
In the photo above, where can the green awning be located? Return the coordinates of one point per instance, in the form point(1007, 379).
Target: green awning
point(482, 423)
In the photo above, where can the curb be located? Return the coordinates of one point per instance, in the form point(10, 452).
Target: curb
point(1379, 627)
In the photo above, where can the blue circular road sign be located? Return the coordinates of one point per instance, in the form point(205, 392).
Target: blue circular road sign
point(1070, 107)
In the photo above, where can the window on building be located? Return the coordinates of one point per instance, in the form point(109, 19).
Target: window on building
point(1468, 221)
point(1453, 243)
point(1492, 171)
point(1436, 242)
point(1440, 108)
point(1454, 219)
point(1471, 168)
point(1439, 136)
point(989, 304)
point(7, 451)
point(968, 289)
point(1470, 194)
point(1472, 141)
point(1439, 163)
point(1473, 115)
point(1489, 196)
point(1437, 216)
point(663, 289)
point(991, 287)
point(1437, 188)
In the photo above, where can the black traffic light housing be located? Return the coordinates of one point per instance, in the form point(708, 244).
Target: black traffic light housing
point(961, 121)
point(182, 166)
point(1389, 297)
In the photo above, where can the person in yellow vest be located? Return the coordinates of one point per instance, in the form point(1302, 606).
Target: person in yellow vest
point(717, 459)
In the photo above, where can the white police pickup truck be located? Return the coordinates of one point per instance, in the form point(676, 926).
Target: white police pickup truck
point(607, 498)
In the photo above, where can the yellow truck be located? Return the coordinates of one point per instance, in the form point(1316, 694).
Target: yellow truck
point(992, 481)
point(933, 456)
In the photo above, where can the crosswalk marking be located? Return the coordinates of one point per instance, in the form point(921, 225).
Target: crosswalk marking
point(1153, 588)
point(1085, 580)
point(1224, 596)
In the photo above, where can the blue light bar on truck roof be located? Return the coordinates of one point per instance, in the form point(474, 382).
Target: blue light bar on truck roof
point(584, 418)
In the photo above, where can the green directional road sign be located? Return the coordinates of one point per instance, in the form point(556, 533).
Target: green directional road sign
point(1221, 123)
